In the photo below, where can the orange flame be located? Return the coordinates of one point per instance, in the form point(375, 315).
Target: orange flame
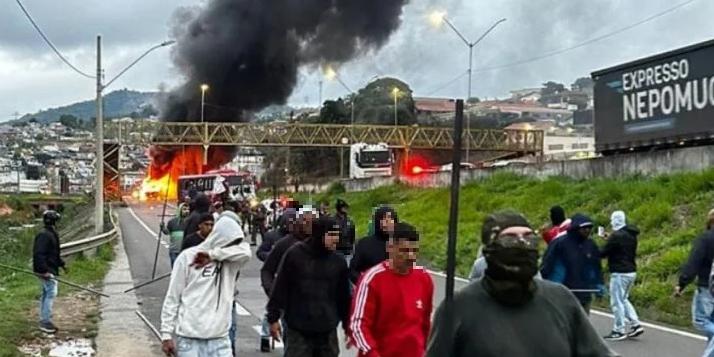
point(168, 164)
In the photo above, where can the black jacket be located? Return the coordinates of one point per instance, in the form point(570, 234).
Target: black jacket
point(272, 237)
point(621, 250)
point(347, 234)
point(191, 241)
point(272, 262)
point(201, 205)
point(313, 291)
point(46, 252)
point(371, 250)
point(700, 261)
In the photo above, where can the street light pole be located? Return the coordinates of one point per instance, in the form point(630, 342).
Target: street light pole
point(395, 91)
point(443, 18)
point(99, 148)
point(99, 133)
point(204, 88)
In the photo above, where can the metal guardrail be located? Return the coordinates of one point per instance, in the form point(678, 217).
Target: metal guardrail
point(82, 245)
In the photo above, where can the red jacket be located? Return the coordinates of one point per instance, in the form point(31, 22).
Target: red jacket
point(391, 313)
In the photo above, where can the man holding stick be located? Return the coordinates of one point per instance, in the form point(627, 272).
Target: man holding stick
point(46, 262)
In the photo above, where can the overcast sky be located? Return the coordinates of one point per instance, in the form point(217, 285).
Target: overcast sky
point(33, 78)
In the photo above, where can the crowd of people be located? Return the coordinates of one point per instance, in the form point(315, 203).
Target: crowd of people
point(317, 278)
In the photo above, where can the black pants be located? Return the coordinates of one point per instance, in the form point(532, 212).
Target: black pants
point(299, 345)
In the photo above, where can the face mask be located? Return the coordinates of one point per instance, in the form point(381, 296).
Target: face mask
point(514, 264)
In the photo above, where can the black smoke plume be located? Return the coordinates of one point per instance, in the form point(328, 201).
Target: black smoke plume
point(249, 51)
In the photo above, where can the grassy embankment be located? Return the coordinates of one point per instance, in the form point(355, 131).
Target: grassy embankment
point(669, 210)
point(19, 292)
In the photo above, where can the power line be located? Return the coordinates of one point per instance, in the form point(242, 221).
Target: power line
point(49, 43)
point(587, 42)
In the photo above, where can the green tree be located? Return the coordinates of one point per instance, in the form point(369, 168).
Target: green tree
point(474, 100)
point(583, 84)
point(374, 103)
point(335, 112)
point(551, 88)
point(70, 121)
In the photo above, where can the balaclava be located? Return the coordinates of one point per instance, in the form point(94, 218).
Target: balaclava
point(511, 268)
point(557, 215)
point(379, 213)
point(320, 227)
point(618, 220)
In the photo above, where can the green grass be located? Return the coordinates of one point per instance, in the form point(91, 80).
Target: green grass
point(669, 210)
point(19, 292)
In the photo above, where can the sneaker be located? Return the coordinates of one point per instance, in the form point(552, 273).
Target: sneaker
point(265, 344)
point(635, 331)
point(48, 327)
point(615, 336)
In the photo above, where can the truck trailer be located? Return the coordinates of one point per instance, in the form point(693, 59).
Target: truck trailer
point(658, 102)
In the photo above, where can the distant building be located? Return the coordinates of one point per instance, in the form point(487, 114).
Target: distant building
point(434, 108)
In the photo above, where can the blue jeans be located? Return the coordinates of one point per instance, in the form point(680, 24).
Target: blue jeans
point(265, 327)
point(620, 286)
point(233, 329)
point(172, 257)
point(703, 312)
point(190, 347)
point(49, 292)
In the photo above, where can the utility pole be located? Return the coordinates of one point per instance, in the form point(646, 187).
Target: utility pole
point(319, 96)
point(99, 150)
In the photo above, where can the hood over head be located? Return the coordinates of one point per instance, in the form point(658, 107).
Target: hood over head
point(320, 227)
point(226, 232)
point(201, 203)
point(379, 213)
point(710, 220)
point(618, 220)
point(557, 215)
point(290, 214)
point(578, 221)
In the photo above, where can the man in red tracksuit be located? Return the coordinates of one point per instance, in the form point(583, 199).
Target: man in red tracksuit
point(392, 306)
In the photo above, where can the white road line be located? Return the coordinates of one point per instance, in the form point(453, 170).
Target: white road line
point(241, 311)
point(608, 315)
point(259, 330)
point(149, 230)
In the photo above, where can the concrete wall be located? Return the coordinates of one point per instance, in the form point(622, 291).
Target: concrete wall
point(645, 163)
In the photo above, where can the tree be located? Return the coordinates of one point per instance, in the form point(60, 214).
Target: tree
point(583, 84)
point(552, 88)
point(374, 103)
point(70, 121)
point(335, 112)
point(473, 100)
point(32, 120)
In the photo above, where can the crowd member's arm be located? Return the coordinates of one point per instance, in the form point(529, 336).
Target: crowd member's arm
point(169, 311)
point(270, 268)
point(280, 294)
point(264, 249)
point(344, 299)
point(356, 264)
point(611, 244)
point(584, 339)
point(695, 260)
point(238, 253)
point(363, 316)
point(441, 342)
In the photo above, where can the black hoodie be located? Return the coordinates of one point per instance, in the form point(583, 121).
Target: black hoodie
point(201, 205)
point(621, 250)
point(312, 286)
point(46, 252)
point(371, 250)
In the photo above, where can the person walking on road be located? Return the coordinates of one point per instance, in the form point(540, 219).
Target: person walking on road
point(46, 262)
point(199, 301)
point(698, 266)
point(391, 314)
point(312, 290)
point(372, 250)
point(347, 230)
point(621, 251)
point(205, 226)
point(508, 312)
point(574, 261)
point(174, 229)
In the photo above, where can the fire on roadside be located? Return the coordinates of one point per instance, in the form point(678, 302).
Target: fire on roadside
point(166, 167)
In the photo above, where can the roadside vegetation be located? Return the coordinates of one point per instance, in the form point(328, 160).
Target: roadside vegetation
point(19, 292)
point(669, 210)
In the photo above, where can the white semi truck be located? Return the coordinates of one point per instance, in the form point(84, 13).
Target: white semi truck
point(370, 160)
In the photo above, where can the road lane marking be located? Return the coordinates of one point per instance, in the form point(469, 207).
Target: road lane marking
point(605, 314)
point(146, 227)
point(259, 330)
point(241, 311)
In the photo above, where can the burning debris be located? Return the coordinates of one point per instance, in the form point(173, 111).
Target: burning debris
point(249, 53)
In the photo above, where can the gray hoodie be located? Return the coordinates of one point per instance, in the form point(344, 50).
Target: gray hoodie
point(199, 302)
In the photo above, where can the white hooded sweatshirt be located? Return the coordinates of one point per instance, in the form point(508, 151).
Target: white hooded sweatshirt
point(199, 302)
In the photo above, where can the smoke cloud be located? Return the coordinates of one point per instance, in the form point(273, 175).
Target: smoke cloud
point(249, 51)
